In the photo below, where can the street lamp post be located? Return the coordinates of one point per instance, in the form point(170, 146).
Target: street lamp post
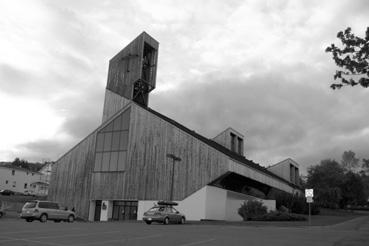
point(174, 158)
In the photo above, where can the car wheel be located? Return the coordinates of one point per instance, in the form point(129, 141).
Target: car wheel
point(43, 218)
point(148, 222)
point(166, 221)
point(70, 218)
point(183, 220)
point(29, 220)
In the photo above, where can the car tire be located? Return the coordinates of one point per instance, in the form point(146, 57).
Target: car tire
point(183, 220)
point(166, 221)
point(43, 218)
point(70, 218)
point(148, 222)
point(29, 220)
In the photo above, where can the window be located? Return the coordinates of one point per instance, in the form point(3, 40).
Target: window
point(30, 205)
point(6, 181)
point(14, 183)
point(13, 172)
point(32, 174)
point(240, 146)
point(292, 173)
point(233, 142)
point(112, 144)
point(25, 185)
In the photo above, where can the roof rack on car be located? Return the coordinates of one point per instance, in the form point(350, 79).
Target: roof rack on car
point(167, 203)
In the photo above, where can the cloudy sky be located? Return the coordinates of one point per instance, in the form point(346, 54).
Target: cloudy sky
point(258, 66)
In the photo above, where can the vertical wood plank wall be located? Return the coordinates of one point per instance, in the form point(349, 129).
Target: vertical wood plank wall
point(70, 182)
point(112, 104)
point(149, 174)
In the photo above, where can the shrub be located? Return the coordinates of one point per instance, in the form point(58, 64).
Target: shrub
point(251, 208)
point(279, 216)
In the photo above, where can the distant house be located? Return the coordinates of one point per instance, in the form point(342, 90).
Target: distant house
point(18, 179)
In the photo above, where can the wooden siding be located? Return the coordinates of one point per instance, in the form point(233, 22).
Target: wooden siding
point(149, 174)
point(70, 183)
point(112, 104)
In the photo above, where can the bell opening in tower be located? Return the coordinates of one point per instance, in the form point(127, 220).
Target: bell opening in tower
point(144, 85)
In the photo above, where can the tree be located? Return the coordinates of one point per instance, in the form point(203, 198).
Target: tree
point(353, 58)
point(352, 190)
point(349, 161)
point(326, 179)
point(365, 165)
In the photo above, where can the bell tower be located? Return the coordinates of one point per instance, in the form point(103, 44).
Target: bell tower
point(132, 74)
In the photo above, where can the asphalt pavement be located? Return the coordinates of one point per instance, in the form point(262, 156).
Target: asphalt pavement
point(18, 232)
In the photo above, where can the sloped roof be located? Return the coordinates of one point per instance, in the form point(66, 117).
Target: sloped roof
point(233, 155)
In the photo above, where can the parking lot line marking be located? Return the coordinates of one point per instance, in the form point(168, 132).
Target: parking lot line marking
point(58, 236)
point(33, 241)
point(118, 240)
point(198, 242)
point(16, 232)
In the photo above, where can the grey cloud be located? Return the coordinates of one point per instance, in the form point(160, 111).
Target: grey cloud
point(281, 116)
point(46, 149)
point(14, 81)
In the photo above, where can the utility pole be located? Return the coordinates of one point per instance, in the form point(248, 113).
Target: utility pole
point(174, 158)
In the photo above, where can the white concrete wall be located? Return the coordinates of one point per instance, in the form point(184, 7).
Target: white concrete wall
point(194, 205)
point(215, 204)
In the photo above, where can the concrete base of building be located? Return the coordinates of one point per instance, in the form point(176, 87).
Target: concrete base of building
point(208, 203)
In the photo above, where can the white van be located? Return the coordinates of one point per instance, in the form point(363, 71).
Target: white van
point(45, 210)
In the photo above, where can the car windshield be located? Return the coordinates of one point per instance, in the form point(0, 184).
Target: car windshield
point(30, 205)
point(156, 209)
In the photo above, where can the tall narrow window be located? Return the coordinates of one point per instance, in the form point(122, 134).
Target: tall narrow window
point(292, 173)
point(233, 142)
point(240, 145)
point(13, 172)
point(297, 177)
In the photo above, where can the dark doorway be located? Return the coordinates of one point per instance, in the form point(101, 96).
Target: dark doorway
point(97, 210)
point(125, 210)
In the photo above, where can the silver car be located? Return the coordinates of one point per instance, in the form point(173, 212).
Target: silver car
point(45, 210)
point(164, 213)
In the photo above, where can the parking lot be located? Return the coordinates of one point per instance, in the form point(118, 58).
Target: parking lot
point(17, 232)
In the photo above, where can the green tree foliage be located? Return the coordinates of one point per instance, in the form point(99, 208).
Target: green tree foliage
point(352, 58)
point(34, 167)
point(352, 190)
point(349, 161)
point(326, 179)
point(334, 186)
